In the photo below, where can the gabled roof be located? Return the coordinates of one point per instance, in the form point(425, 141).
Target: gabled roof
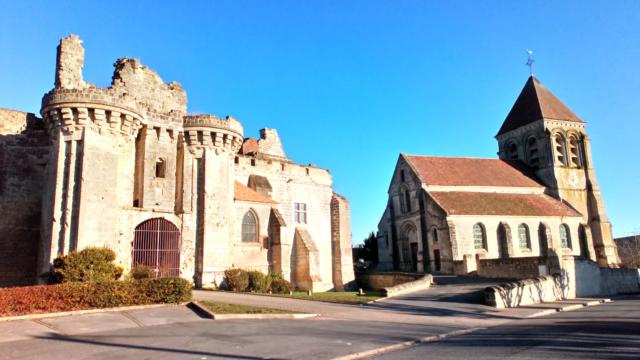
point(244, 193)
point(460, 171)
point(536, 102)
point(484, 203)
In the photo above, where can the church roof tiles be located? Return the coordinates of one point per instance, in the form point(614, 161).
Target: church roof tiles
point(460, 171)
point(536, 102)
point(483, 203)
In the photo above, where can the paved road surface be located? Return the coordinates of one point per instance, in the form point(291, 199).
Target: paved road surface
point(608, 331)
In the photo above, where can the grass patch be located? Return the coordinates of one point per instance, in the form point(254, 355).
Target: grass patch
point(338, 297)
point(223, 308)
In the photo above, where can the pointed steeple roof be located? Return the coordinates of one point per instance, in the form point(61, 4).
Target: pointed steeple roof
point(536, 102)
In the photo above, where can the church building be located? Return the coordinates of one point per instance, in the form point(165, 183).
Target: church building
point(540, 197)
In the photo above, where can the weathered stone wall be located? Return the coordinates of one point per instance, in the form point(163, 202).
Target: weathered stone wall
point(518, 268)
point(526, 292)
point(343, 275)
point(379, 281)
point(23, 155)
point(586, 278)
point(292, 183)
point(70, 61)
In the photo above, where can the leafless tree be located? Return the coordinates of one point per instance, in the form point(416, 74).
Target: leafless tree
point(629, 251)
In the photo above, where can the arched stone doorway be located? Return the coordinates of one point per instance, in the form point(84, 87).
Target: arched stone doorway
point(156, 244)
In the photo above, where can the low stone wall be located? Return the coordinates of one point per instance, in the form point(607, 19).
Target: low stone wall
point(420, 284)
point(592, 280)
point(380, 281)
point(520, 268)
point(526, 292)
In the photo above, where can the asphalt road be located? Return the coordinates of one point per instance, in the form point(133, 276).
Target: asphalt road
point(608, 331)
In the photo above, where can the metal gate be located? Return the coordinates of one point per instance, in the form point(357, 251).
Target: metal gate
point(156, 244)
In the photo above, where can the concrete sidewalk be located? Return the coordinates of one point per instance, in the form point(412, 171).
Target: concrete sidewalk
point(95, 322)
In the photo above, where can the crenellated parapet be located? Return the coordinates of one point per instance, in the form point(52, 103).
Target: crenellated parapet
point(70, 110)
point(209, 131)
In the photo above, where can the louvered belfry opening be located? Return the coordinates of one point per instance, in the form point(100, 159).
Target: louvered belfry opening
point(156, 244)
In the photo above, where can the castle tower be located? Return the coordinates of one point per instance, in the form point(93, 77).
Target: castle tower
point(81, 198)
point(544, 133)
point(212, 145)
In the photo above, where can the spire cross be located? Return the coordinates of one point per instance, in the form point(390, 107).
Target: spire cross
point(530, 61)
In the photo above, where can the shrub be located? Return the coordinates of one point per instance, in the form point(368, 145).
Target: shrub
point(90, 295)
point(276, 275)
point(140, 272)
point(280, 286)
point(87, 265)
point(259, 282)
point(237, 279)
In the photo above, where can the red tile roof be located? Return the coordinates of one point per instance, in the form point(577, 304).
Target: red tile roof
point(245, 193)
point(477, 203)
point(459, 171)
point(536, 102)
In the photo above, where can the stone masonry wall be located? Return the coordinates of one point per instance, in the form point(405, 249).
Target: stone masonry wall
point(23, 153)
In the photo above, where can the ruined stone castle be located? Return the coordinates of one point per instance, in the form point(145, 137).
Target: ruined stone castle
point(126, 167)
point(514, 216)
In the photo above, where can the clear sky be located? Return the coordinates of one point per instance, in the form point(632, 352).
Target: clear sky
point(351, 84)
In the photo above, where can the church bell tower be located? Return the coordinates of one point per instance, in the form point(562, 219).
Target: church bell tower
point(552, 140)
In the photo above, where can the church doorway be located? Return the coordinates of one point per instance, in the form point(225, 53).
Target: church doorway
point(436, 259)
point(156, 244)
point(414, 257)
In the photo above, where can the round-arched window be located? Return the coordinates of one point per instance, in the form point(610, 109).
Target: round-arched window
point(565, 236)
point(479, 237)
point(524, 237)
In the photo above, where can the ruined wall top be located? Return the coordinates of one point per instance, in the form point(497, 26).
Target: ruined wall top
point(69, 63)
point(134, 87)
point(270, 144)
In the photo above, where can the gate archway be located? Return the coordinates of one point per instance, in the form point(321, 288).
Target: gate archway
point(156, 244)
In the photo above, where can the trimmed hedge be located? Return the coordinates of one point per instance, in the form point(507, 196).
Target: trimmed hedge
point(92, 295)
point(140, 272)
point(237, 279)
point(88, 265)
point(240, 280)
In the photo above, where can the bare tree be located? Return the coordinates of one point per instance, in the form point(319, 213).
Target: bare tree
point(629, 251)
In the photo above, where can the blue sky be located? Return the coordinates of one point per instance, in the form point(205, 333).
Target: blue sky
point(351, 84)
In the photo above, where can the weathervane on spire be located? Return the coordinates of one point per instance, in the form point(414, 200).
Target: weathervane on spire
point(530, 61)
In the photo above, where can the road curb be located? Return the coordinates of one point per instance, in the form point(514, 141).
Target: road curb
point(569, 307)
point(204, 312)
point(84, 312)
point(407, 344)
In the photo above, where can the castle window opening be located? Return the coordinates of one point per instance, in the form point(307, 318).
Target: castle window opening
point(300, 213)
point(479, 237)
point(161, 168)
point(402, 175)
point(523, 237)
point(253, 162)
point(236, 160)
point(249, 227)
point(435, 235)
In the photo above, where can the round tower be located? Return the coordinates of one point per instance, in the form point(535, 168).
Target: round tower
point(88, 127)
point(212, 144)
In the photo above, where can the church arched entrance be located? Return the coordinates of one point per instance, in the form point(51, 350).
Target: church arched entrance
point(156, 244)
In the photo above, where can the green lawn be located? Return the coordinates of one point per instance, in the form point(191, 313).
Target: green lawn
point(340, 297)
point(222, 308)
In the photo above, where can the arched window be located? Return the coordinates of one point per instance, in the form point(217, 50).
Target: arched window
point(565, 237)
point(523, 236)
point(479, 237)
point(532, 152)
point(561, 149)
point(249, 227)
point(512, 151)
point(405, 200)
point(575, 149)
point(435, 235)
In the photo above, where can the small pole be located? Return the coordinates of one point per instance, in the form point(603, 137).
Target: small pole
point(360, 292)
point(309, 293)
